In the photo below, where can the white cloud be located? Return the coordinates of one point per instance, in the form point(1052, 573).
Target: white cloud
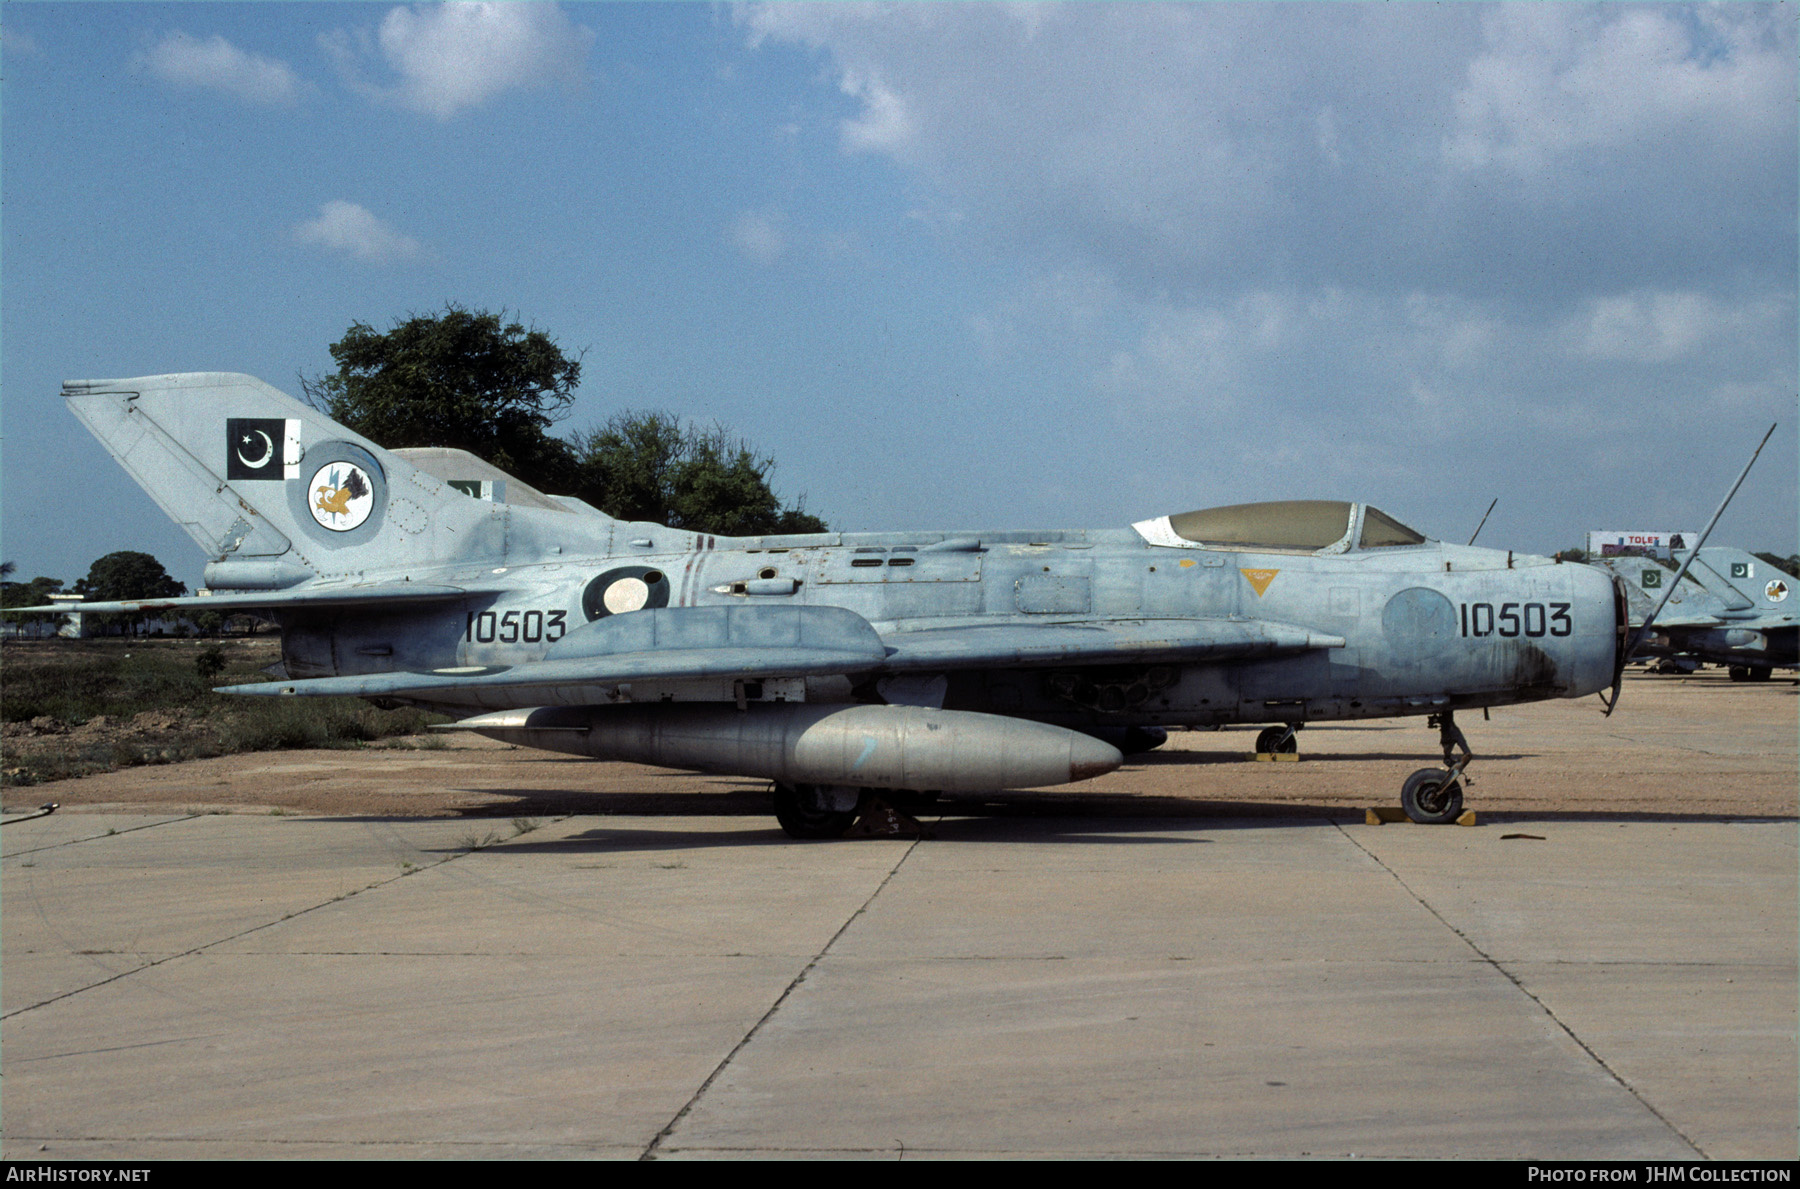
point(1206, 148)
point(1658, 326)
point(759, 237)
point(884, 126)
point(349, 228)
point(455, 56)
point(1560, 79)
point(16, 41)
point(216, 64)
point(1159, 138)
point(1419, 252)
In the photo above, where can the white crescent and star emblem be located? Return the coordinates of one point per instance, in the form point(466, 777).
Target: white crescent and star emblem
point(268, 451)
point(265, 448)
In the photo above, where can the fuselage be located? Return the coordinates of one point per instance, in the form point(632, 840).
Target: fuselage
point(1425, 626)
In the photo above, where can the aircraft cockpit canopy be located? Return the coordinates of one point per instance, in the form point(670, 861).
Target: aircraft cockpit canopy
point(1286, 526)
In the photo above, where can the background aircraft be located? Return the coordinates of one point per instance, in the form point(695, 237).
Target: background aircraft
point(836, 665)
point(1732, 608)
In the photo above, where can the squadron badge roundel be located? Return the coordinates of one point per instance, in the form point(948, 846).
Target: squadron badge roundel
point(340, 496)
point(625, 589)
point(1776, 591)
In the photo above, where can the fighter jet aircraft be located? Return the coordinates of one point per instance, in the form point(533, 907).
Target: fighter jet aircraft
point(839, 666)
point(1732, 609)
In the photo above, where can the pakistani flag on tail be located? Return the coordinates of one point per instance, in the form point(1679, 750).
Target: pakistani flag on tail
point(262, 448)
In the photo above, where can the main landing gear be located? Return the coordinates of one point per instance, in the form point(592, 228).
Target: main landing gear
point(1434, 796)
point(833, 810)
point(817, 810)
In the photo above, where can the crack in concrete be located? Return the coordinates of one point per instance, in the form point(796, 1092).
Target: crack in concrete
point(656, 1142)
point(200, 949)
point(1549, 1013)
point(107, 834)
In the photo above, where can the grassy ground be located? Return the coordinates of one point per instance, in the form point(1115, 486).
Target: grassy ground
point(73, 707)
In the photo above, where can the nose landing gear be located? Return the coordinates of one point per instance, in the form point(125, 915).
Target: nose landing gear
point(1278, 740)
point(1433, 796)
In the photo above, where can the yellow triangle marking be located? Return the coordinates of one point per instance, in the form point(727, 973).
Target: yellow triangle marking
point(1259, 579)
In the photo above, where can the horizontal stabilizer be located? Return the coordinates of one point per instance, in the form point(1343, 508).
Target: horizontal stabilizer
point(278, 600)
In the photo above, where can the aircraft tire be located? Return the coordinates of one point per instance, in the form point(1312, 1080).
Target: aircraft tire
point(800, 820)
point(1740, 673)
point(1759, 673)
point(1142, 739)
point(1431, 798)
point(1270, 742)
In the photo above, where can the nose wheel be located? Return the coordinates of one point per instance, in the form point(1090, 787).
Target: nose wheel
point(1278, 740)
point(1434, 796)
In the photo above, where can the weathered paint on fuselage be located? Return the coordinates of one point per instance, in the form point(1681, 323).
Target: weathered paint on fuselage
point(1426, 627)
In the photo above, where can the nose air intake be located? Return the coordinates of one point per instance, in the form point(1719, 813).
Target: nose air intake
point(1622, 641)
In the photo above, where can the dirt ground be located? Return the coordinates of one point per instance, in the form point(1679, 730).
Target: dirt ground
point(1699, 746)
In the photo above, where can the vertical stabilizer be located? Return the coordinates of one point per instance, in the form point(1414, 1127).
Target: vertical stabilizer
point(273, 491)
point(1745, 581)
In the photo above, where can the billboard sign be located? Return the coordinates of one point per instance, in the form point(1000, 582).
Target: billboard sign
point(1611, 543)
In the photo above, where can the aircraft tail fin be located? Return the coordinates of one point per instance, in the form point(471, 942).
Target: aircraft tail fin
point(273, 491)
point(1744, 580)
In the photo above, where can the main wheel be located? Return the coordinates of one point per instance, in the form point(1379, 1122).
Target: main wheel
point(1740, 672)
point(1141, 739)
point(1276, 741)
point(1760, 673)
point(1431, 798)
point(806, 811)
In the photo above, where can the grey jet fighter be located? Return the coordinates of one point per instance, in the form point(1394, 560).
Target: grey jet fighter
point(838, 666)
point(1731, 609)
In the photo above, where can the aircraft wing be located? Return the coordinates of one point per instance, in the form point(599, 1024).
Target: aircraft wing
point(745, 642)
point(1681, 619)
point(1099, 642)
point(749, 642)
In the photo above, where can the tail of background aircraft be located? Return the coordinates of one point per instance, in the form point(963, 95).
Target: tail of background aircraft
point(275, 492)
point(1645, 581)
point(1743, 580)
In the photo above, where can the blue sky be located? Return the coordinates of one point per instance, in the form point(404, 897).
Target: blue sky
point(951, 265)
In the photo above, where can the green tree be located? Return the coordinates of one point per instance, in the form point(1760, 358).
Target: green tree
point(474, 381)
point(650, 466)
point(463, 378)
point(127, 574)
point(209, 662)
point(35, 593)
point(1789, 565)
